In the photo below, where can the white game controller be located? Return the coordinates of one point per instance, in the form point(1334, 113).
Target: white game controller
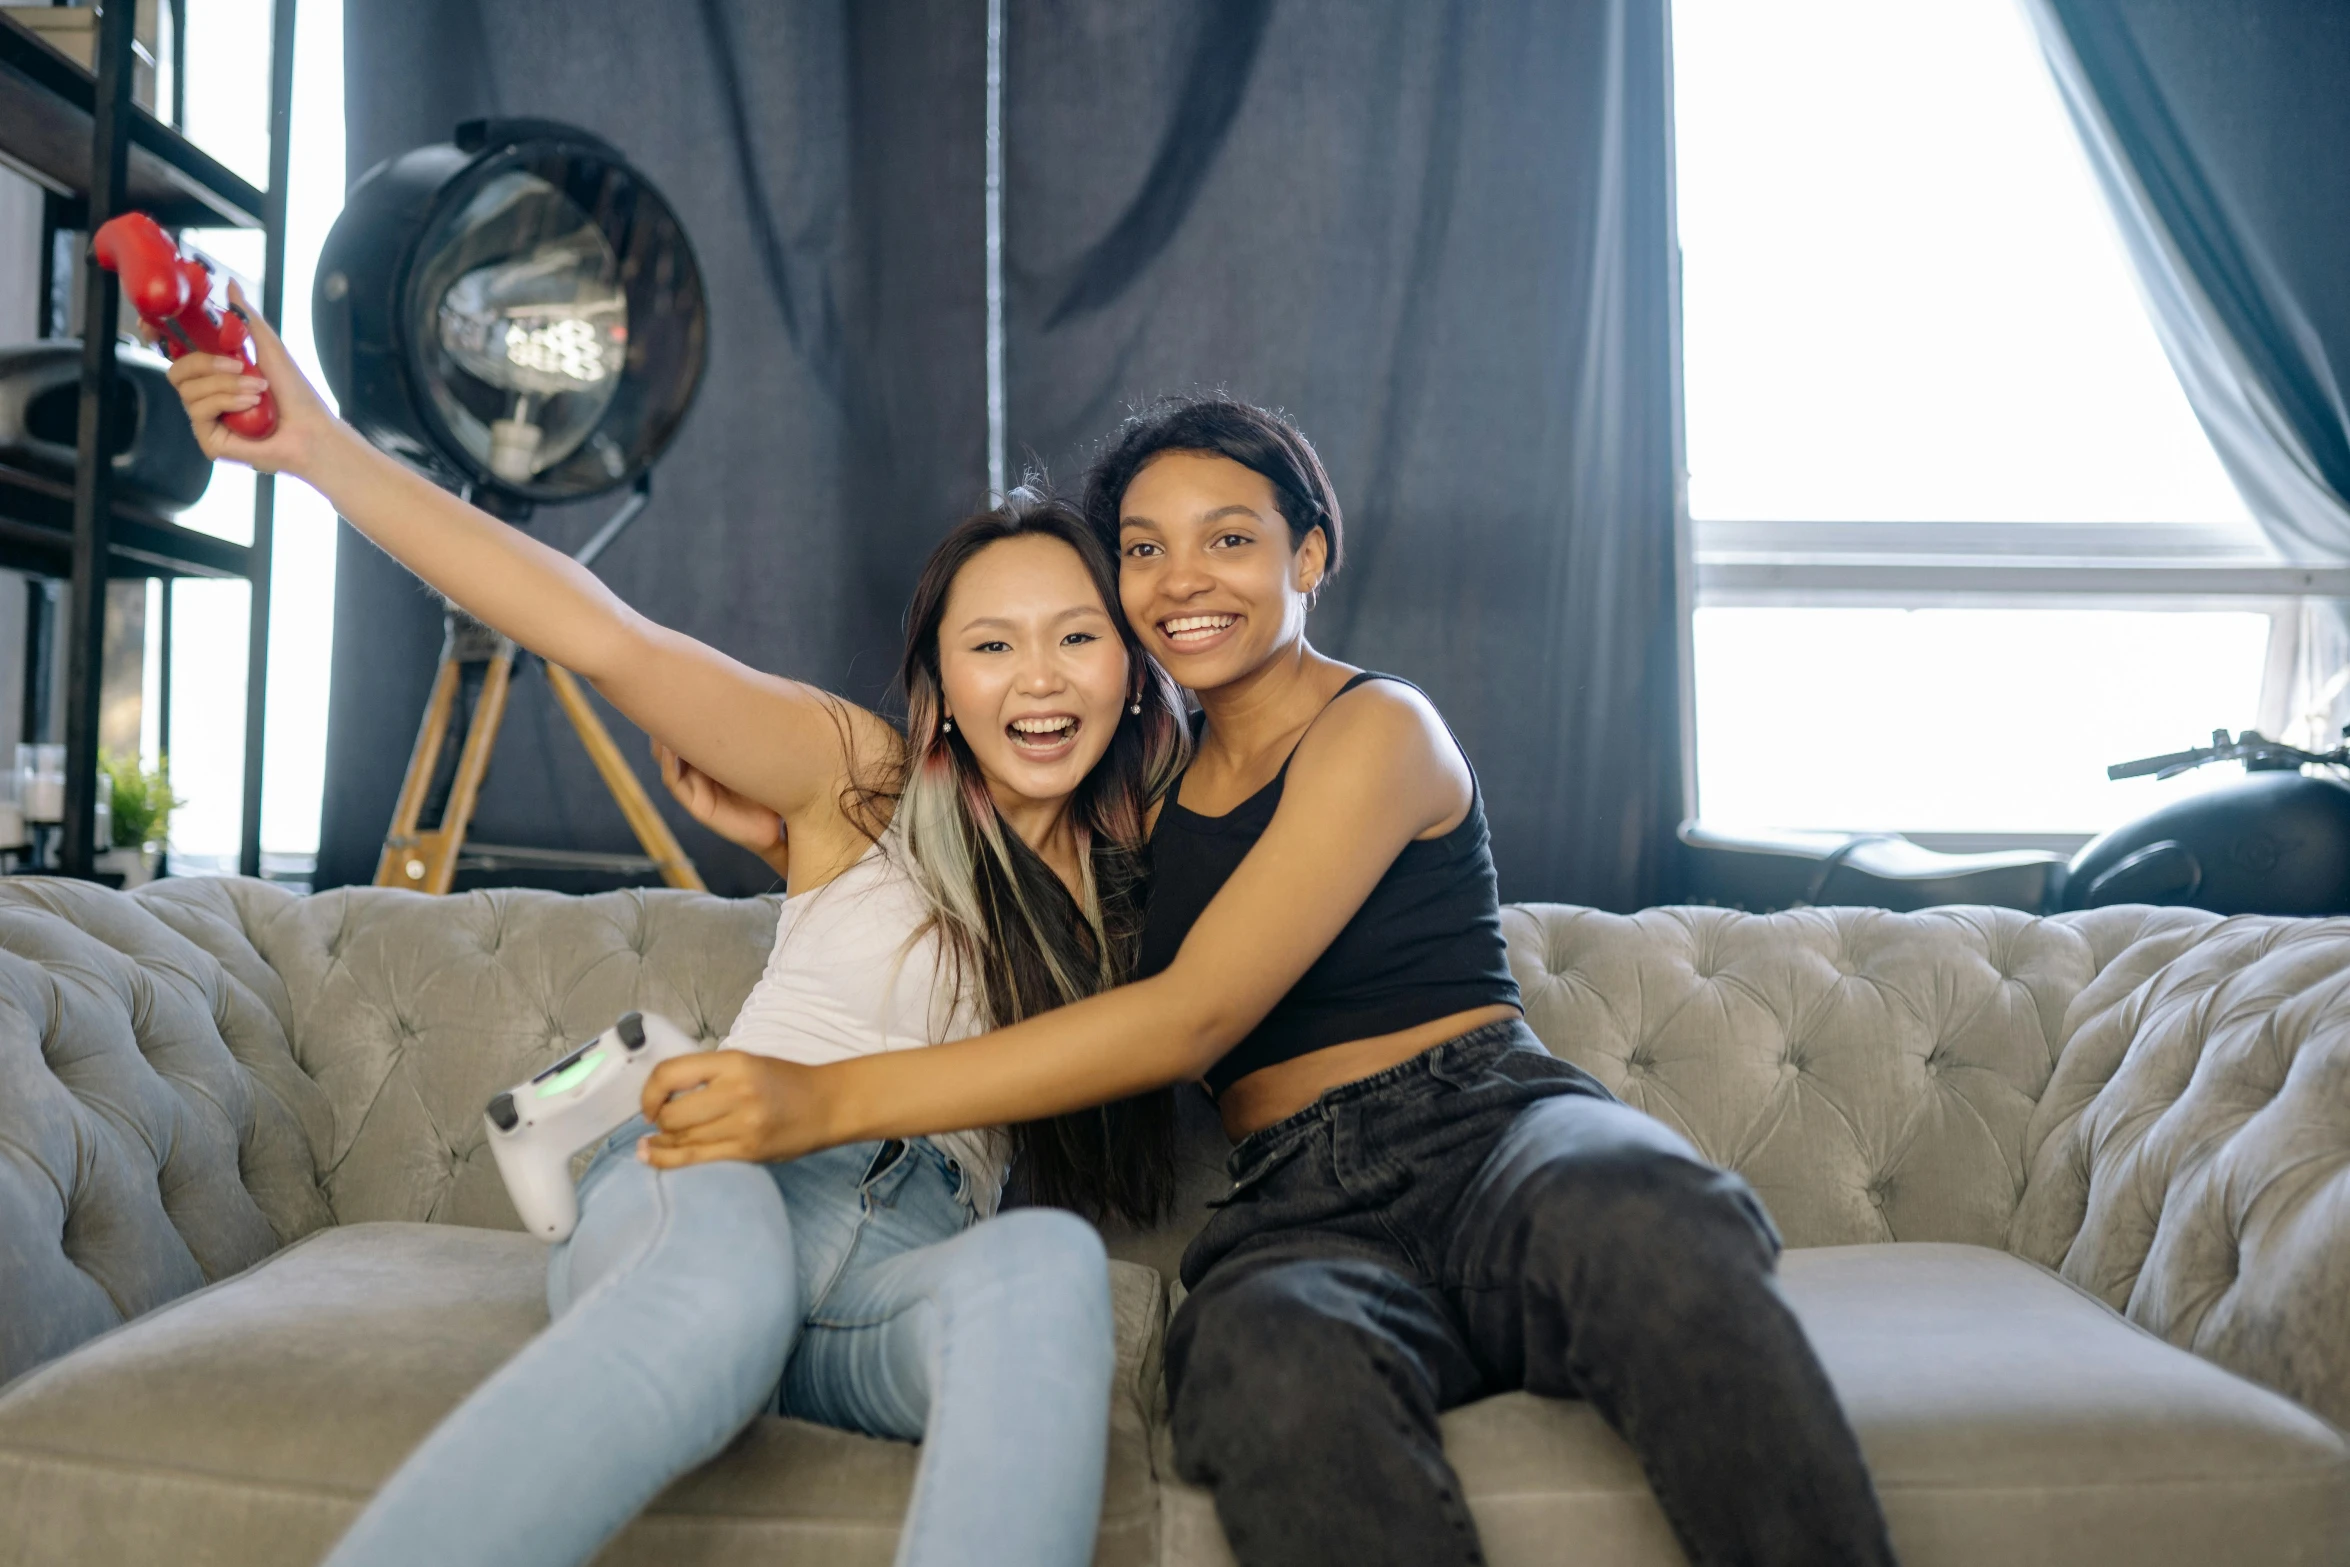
point(536, 1127)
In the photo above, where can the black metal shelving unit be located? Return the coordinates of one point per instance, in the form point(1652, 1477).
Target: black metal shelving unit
point(80, 137)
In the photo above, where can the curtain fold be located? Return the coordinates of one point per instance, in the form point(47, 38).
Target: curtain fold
point(1437, 232)
point(2216, 133)
point(1439, 236)
point(826, 163)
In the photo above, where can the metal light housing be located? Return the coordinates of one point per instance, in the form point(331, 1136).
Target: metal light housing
point(516, 312)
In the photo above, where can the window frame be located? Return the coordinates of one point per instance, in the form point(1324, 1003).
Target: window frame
point(2005, 565)
point(1761, 563)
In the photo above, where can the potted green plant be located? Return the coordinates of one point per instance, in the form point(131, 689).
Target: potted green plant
point(142, 802)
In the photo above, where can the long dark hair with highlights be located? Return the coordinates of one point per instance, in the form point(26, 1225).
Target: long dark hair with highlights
point(1002, 917)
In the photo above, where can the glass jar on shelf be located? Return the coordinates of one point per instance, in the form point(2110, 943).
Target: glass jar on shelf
point(34, 807)
point(40, 781)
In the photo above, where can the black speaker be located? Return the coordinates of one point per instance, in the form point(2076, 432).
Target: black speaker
point(158, 466)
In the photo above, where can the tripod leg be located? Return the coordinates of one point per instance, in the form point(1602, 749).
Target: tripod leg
point(400, 844)
point(659, 842)
point(427, 861)
point(473, 764)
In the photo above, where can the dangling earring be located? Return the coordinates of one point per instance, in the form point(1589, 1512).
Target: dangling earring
point(948, 726)
point(1136, 709)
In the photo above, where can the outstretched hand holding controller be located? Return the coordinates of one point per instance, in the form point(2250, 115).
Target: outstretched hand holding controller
point(225, 395)
point(173, 294)
point(536, 1127)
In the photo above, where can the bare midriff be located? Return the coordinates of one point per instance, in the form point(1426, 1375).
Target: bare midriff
point(1279, 1091)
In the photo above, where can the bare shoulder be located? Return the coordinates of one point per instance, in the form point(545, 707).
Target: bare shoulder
point(837, 828)
point(873, 744)
point(1387, 738)
point(1383, 718)
point(864, 756)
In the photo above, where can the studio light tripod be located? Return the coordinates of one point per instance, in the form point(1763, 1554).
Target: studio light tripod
point(426, 846)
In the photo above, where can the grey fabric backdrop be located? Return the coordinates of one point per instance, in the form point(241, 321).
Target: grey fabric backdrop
point(842, 423)
point(1439, 234)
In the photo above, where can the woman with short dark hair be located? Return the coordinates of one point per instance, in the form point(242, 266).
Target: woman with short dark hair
point(1427, 1206)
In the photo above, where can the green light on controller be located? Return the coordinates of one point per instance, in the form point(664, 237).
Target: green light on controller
point(573, 1075)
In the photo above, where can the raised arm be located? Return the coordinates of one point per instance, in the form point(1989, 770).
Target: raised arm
point(1376, 771)
point(776, 741)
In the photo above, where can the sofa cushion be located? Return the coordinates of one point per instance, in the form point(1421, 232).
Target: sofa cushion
point(248, 1423)
point(1871, 1074)
point(155, 1132)
point(2008, 1418)
point(410, 1011)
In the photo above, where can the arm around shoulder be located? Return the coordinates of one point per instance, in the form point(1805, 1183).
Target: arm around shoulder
point(1378, 771)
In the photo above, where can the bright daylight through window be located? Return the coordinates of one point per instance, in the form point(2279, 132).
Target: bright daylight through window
point(228, 51)
point(1914, 358)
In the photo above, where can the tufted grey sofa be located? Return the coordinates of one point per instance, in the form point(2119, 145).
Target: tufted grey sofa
point(2069, 1201)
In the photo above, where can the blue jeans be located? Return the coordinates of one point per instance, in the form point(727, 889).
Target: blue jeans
point(851, 1287)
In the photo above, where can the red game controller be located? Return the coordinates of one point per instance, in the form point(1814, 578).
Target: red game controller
point(173, 294)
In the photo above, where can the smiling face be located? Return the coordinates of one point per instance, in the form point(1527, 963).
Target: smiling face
point(1031, 667)
point(1206, 568)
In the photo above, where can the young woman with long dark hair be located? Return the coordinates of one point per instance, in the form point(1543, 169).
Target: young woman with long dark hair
point(1426, 1207)
point(979, 868)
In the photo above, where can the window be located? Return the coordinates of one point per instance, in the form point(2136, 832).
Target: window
point(1959, 539)
point(228, 117)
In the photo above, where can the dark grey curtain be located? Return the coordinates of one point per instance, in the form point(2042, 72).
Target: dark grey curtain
point(1439, 235)
point(825, 160)
point(2218, 130)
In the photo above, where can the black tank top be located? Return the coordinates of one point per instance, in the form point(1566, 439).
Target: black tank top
point(1426, 943)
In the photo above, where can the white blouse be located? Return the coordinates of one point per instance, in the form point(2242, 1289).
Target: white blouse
point(856, 970)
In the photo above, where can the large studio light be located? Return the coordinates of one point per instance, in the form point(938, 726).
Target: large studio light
point(517, 312)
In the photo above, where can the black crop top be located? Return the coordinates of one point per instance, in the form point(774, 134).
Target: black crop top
point(1426, 943)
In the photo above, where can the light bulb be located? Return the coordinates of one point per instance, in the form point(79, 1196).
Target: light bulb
point(545, 322)
point(567, 348)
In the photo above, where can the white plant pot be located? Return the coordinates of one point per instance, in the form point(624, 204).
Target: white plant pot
point(136, 865)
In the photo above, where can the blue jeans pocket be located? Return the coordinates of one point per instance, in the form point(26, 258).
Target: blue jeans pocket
point(885, 1159)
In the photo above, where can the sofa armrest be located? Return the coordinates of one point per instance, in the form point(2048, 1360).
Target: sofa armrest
point(155, 1133)
point(2190, 1161)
